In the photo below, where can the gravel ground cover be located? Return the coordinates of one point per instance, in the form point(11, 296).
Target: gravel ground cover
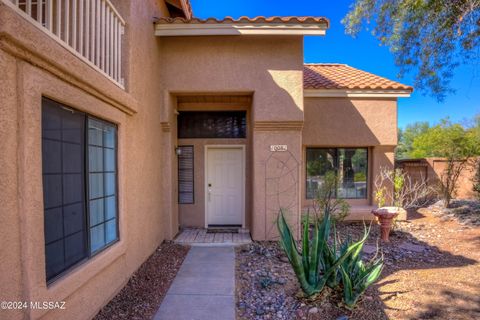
point(432, 271)
point(144, 292)
point(466, 212)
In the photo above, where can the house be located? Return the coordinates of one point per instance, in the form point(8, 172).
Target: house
point(123, 122)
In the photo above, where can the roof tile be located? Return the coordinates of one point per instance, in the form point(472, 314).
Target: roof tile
point(247, 20)
point(341, 76)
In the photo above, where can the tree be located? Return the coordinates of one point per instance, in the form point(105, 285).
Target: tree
point(476, 180)
point(406, 138)
point(453, 142)
point(446, 139)
point(431, 36)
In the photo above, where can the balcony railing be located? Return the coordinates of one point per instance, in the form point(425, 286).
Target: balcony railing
point(91, 29)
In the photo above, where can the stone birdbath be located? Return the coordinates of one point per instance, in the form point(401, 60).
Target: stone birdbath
point(385, 217)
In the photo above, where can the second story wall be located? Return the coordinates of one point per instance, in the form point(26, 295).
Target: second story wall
point(350, 122)
point(268, 67)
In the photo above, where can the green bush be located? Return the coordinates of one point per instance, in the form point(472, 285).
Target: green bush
point(360, 177)
point(321, 262)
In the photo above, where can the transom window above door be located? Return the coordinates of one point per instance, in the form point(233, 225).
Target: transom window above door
point(212, 124)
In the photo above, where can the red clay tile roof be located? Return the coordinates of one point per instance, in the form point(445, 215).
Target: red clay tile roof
point(247, 20)
point(341, 76)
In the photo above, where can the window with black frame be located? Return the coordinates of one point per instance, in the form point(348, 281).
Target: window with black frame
point(349, 164)
point(79, 169)
point(212, 124)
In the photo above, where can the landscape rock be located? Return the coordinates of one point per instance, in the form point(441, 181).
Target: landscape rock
point(424, 243)
point(412, 247)
point(369, 249)
point(313, 310)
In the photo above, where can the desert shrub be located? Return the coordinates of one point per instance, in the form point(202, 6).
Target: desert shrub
point(447, 187)
point(357, 275)
point(396, 188)
point(323, 261)
point(326, 201)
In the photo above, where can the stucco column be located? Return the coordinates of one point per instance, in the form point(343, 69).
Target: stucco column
point(276, 177)
point(11, 281)
point(169, 168)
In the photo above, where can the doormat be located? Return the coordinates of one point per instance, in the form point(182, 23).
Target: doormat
point(222, 230)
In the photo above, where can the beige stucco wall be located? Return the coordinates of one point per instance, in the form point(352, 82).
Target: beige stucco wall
point(352, 122)
point(268, 68)
point(33, 65)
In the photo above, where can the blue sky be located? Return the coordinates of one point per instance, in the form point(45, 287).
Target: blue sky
point(362, 52)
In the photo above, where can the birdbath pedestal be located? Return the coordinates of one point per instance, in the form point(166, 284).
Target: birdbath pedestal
point(385, 216)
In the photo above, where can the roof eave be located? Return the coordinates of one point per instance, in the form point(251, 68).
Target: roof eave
point(202, 29)
point(357, 93)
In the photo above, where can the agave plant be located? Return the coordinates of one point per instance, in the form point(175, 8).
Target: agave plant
point(309, 264)
point(357, 275)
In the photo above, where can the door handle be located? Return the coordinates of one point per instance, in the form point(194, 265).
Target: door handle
point(209, 191)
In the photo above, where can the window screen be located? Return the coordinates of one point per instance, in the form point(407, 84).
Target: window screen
point(63, 147)
point(79, 185)
point(212, 124)
point(102, 187)
point(185, 175)
point(349, 165)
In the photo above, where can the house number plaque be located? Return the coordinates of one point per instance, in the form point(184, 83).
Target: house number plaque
point(278, 147)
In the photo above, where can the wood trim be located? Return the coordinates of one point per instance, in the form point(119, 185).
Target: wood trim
point(220, 106)
point(278, 125)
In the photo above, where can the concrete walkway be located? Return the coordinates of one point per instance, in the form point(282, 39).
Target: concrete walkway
point(204, 287)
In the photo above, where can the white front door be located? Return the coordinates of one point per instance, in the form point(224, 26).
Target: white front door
point(225, 185)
